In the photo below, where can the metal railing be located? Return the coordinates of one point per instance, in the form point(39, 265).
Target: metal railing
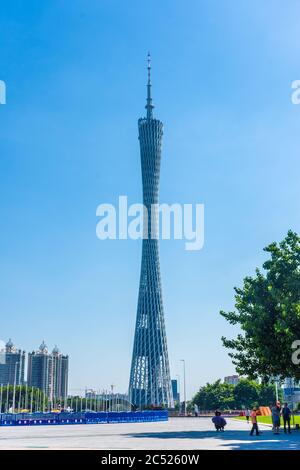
point(36, 419)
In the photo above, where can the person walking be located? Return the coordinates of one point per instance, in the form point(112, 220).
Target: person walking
point(276, 418)
point(196, 410)
point(247, 414)
point(286, 414)
point(253, 416)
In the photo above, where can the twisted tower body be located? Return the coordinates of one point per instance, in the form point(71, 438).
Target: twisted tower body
point(150, 382)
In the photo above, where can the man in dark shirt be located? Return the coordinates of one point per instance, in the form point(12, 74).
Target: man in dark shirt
point(286, 414)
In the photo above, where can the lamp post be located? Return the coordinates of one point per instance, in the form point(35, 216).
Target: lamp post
point(184, 386)
point(276, 389)
point(292, 390)
point(178, 393)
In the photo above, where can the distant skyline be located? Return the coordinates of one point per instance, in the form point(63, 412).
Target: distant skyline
point(75, 87)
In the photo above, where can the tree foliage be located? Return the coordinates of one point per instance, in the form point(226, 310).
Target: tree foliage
point(246, 394)
point(267, 394)
point(268, 313)
point(23, 397)
point(215, 395)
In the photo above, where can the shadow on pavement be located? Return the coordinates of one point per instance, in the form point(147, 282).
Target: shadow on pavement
point(239, 439)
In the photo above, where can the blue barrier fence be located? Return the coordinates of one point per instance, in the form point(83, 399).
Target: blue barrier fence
point(38, 419)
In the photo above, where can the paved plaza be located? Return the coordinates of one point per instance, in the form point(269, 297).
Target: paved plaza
point(177, 433)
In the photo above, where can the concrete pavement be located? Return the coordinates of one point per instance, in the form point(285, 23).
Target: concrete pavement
point(177, 433)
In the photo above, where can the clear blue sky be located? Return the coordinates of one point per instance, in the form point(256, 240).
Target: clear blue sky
point(75, 74)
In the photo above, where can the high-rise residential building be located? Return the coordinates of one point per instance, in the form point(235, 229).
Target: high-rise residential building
point(60, 374)
point(12, 364)
point(39, 371)
point(48, 372)
point(150, 382)
point(232, 379)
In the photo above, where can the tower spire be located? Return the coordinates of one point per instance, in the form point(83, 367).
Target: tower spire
point(149, 106)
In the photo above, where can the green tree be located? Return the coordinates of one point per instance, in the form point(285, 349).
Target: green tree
point(29, 398)
point(246, 394)
point(267, 394)
point(268, 313)
point(215, 395)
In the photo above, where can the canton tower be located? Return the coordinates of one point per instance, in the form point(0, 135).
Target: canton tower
point(150, 382)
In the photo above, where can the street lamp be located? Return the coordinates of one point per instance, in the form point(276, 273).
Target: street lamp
point(276, 389)
point(184, 385)
point(178, 393)
point(293, 389)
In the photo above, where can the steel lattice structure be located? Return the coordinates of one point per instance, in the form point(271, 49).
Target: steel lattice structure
point(150, 382)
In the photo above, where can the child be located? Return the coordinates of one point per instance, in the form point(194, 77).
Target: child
point(219, 421)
